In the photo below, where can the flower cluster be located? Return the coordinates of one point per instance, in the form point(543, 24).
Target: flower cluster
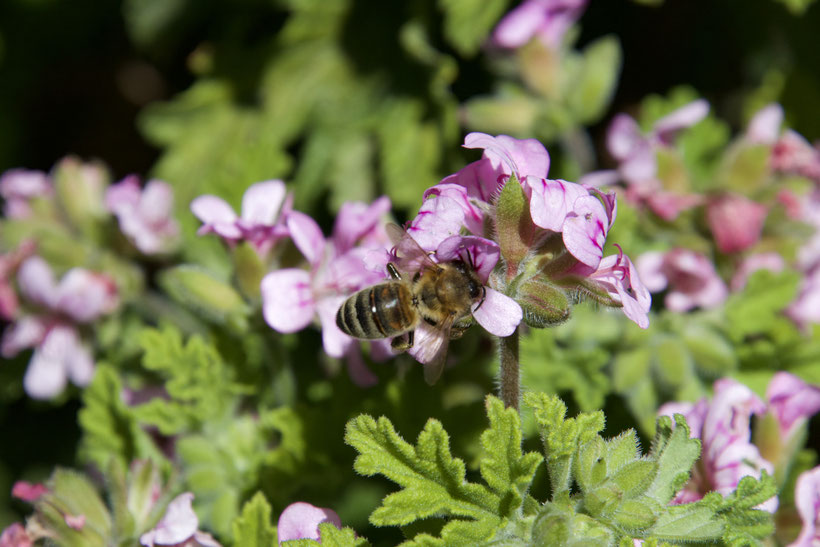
point(723, 424)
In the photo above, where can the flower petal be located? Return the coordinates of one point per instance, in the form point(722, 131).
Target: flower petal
point(498, 313)
point(791, 400)
point(301, 520)
point(307, 236)
point(552, 201)
point(807, 500)
point(481, 253)
point(213, 210)
point(46, 375)
point(688, 115)
point(439, 217)
point(26, 332)
point(764, 127)
point(524, 157)
point(584, 230)
point(36, 281)
point(85, 295)
point(335, 342)
point(177, 525)
point(287, 299)
point(357, 220)
point(262, 202)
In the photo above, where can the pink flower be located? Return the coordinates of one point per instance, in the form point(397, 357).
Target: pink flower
point(792, 401)
point(19, 186)
point(764, 127)
point(762, 261)
point(636, 154)
point(689, 276)
point(547, 20)
point(301, 520)
point(9, 263)
point(292, 297)
point(805, 309)
point(807, 500)
point(145, 214)
point(265, 207)
point(59, 354)
point(619, 278)
point(178, 527)
point(15, 535)
point(723, 426)
point(735, 221)
point(27, 491)
point(792, 154)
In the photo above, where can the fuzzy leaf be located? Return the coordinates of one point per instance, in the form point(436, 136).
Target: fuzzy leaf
point(675, 454)
point(686, 523)
point(253, 526)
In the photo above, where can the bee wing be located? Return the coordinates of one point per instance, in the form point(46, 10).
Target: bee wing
point(409, 254)
point(432, 345)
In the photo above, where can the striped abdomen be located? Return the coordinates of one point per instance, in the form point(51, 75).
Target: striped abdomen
point(380, 311)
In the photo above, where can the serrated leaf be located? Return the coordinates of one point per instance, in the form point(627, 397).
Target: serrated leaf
point(675, 453)
point(253, 526)
point(335, 537)
point(505, 469)
point(434, 482)
point(71, 493)
point(622, 450)
point(633, 478)
point(689, 522)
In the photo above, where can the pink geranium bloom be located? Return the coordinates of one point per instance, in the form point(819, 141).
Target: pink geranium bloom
point(735, 221)
point(792, 154)
point(292, 297)
point(690, 277)
point(805, 308)
point(178, 526)
point(59, 353)
point(792, 401)
point(636, 155)
point(19, 186)
point(265, 206)
point(144, 215)
point(547, 20)
point(723, 426)
point(301, 520)
point(764, 127)
point(15, 535)
point(807, 500)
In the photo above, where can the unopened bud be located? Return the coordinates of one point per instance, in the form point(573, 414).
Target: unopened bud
point(544, 304)
point(199, 290)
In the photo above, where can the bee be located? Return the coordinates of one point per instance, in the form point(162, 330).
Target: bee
point(435, 299)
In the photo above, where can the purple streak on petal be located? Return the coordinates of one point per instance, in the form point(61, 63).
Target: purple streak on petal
point(438, 218)
point(688, 115)
point(480, 179)
point(552, 201)
point(177, 525)
point(301, 520)
point(524, 157)
point(473, 216)
point(619, 277)
point(262, 202)
point(287, 300)
point(791, 400)
point(482, 253)
point(307, 236)
point(216, 216)
point(498, 314)
point(807, 500)
point(764, 127)
point(36, 281)
point(584, 230)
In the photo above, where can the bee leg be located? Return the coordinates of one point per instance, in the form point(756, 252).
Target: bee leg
point(457, 332)
point(394, 273)
point(400, 344)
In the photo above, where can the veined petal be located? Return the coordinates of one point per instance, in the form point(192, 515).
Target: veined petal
point(584, 230)
point(262, 202)
point(439, 217)
point(481, 253)
point(473, 215)
point(307, 236)
point(524, 157)
point(791, 400)
point(216, 216)
point(498, 313)
point(552, 201)
point(807, 500)
point(287, 299)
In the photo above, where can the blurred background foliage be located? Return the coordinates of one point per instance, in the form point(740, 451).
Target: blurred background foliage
point(348, 100)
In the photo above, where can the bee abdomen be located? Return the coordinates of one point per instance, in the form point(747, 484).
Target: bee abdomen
point(380, 311)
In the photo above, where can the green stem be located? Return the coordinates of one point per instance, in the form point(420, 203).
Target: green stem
point(510, 390)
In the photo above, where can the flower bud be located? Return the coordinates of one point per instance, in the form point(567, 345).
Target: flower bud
point(514, 227)
point(544, 304)
point(201, 291)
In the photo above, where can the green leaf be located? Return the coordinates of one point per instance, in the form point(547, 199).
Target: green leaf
point(253, 525)
point(675, 453)
point(110, 429)
point(597, 79)
point(72, 494)
point(758, 308)
point(200, 291)
point(467, 22)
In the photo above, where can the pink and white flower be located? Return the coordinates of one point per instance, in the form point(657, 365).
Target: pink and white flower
point(265, 206)
point(546, 20)
point(735, 222)
point(723, 426)
point(807, 500)
point(301, 520)
point(178, 527)
point(292, 297)
point(19, 186)
point(59, 354)
point(145, 215)
point(792, 401)
point(689, 276)
point(792, 154)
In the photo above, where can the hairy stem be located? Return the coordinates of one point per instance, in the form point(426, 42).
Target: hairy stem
point(510, 389)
